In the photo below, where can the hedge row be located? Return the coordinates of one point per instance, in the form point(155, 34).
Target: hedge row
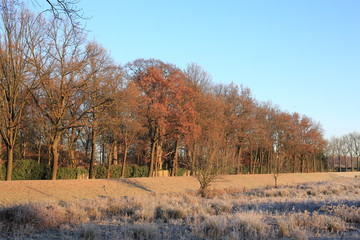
point(31, 170)
point(115, 171)
point(26, 170)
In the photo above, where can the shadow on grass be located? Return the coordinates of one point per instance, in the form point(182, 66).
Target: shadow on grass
point(44, 193)
point(133, 184)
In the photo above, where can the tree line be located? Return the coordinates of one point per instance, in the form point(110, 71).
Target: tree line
point(344, 152)
point(65, 102)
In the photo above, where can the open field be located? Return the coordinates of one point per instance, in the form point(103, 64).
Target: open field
point(68, 190)
point(305, 206)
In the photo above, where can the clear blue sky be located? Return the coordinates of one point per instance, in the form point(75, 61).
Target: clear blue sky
point(303, 56)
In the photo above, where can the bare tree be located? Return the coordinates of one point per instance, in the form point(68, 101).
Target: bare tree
point(66, 10)
point(63, 91)
point(20, 36)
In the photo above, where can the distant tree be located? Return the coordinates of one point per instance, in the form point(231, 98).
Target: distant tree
point(355, 144)
point(330, 153)
point(342, 147)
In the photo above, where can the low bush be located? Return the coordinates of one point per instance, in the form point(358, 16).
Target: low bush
point(30, 216)
point(100, 172)
point(116, 171)
point(140, 171)
point(28, 170)
point(71, 173)
point(165, 214)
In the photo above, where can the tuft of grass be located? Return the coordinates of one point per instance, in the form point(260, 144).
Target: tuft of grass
point(120, 208)
point(165, 214)
point(284, 228)
point(143, 231)
point(250, 225)
point(214, 227)
point(90, 232)
point(350, 214)
point(30, 216)
point(317, 222)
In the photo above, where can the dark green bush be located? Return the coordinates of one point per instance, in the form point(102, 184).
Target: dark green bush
point(140, 171)
point(100, 172)
point(27, 170)
point(71, 173)
point(116, 171)
point(66, 173)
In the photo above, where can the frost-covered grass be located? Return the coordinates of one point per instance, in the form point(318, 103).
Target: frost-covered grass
point(328, 209)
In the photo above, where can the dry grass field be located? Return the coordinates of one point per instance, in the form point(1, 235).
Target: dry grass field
point(16, 192)
point(305, 206)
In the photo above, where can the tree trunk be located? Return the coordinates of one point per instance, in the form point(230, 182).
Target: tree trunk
point(55, 155)
point(93, 153)
point(158, 158)
point(39, 153)
point(175, 160)
point(294, 163)
point(346, 164)
point(72, 156)
point(301, 164)
point(102, 159)
point(115, 153)
point(238, 160)
point(72, 148)
point(261, 157)
point(314, 163)
point(108, 173)
point(193, 159)
point(126, 148)
point(23, 150)
point(339, 164)
point(256, 160)
point(9, 163)
point(49, 154)
point(269, 158)
point(251, 161)
point(0, 150)
point(152, 156)
point(307, 162)
point(321, 165)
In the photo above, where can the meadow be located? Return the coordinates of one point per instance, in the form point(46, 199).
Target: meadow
point(304, 206)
